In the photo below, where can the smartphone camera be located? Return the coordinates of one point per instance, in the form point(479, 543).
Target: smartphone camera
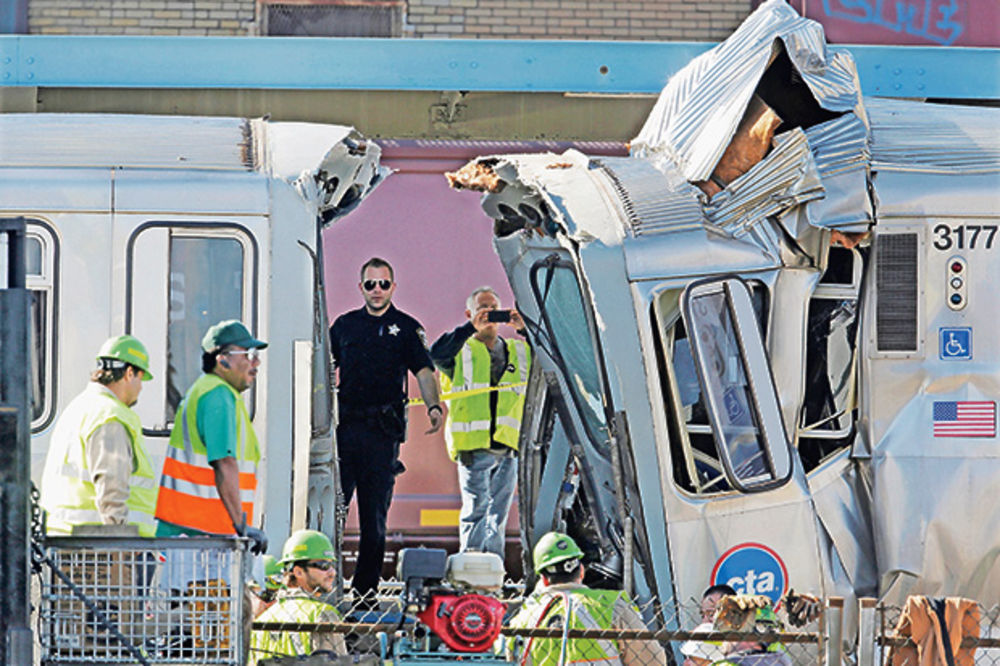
point(498, 316)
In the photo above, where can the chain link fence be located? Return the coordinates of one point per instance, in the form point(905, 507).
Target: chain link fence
point(509, 626)
point(184, 601)
point(948, 631)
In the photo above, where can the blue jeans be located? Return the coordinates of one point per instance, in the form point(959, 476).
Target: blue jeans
point(487, 482)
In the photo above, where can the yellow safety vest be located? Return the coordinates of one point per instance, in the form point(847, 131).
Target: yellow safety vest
point(587, 609)
point(188, 496)
point(68, 493)
point(295, 609)
point(469, 417)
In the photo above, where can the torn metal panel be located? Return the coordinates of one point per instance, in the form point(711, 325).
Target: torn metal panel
point(785, 178)
point(935, 138)
point(698, 111)
point(332, 165)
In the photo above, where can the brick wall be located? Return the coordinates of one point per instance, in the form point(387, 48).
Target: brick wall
point(663, 20)
point(142, 17)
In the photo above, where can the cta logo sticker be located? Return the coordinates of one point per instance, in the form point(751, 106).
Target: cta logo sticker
point(752, 568)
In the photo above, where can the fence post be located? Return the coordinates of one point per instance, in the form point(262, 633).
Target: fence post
point(834, 631)
point(866, 631)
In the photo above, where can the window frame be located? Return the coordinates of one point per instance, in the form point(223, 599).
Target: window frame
point(47, 281)
point(760, 382)
point(211, 229)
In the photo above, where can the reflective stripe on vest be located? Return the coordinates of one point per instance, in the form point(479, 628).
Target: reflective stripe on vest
point(587, 609)
point(188, 496)
point(68, 492)
point(266, 644)
point(469, 417)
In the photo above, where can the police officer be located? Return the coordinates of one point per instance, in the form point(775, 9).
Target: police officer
point(373, 347)
point(310, 573)
point(97, 470)
point(561, 598)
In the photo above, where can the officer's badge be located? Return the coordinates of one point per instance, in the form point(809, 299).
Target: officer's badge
point(393, 330)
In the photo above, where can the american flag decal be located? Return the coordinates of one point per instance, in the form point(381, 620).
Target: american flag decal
point(965, 418)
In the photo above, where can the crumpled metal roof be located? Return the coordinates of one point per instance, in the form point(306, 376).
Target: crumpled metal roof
point(698, 111)
point(654, 201)
point(934, 138)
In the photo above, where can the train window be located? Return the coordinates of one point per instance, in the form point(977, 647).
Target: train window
point(567, 325)
point(40, 262)
point(184, 277)
point(206, 286)
point(745, 462)
point(825, 423)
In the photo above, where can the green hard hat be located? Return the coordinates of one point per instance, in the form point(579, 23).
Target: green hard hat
point(128, 349)
point(272, 572)
point(553, 548)
point(307, 545)
point(765, 618)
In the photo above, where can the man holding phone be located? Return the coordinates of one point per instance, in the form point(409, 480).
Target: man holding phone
point(485, 423)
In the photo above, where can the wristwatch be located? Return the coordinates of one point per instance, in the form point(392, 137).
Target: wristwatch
point(432, 407)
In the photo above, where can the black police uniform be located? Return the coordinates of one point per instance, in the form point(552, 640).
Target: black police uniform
point(373, 354)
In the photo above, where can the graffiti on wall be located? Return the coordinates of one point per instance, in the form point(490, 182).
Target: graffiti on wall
point(933, 20)
point(906, 22)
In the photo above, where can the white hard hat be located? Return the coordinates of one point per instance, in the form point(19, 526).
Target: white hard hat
point(702, 649)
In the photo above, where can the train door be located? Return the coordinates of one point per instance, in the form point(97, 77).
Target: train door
point(176, 275)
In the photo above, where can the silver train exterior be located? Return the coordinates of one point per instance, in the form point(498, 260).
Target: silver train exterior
point(160, 226)
point(792, 383)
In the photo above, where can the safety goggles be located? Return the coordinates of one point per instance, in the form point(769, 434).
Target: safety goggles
point(251, 354)
point(322, 565)
point(384, 285)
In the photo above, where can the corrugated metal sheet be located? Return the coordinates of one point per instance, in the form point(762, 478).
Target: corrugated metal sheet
point(654, 201)
point(85, 140)
point(785, 178)
point(840, 151)
point(698, 111)
point(917, 136)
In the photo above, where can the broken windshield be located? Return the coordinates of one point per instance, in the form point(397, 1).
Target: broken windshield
point(564, 317)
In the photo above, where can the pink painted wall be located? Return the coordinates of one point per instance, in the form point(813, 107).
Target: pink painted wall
point(439, 243)
point(906, 22)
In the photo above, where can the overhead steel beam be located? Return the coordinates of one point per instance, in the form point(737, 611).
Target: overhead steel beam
point(588, 67)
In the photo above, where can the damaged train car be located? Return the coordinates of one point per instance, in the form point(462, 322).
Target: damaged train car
point(765, 338)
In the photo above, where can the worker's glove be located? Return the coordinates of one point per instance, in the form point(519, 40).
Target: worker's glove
point(739, 612)
point(254, 534)
point(801, 608)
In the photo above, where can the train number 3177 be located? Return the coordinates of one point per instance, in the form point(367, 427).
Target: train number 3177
point(964, 236)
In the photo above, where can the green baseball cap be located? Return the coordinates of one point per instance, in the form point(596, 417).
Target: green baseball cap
point(127, 349)
point(230, 332)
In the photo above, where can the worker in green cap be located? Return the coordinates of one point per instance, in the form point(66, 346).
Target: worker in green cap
point(561, 600)
point(310, 566)
point(209, 479)
point(97, 471)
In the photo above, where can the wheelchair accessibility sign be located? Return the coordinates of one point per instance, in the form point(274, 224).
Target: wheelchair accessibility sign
point(956, 344)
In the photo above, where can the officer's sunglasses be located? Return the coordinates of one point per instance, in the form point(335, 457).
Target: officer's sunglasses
point(384, 285)
point(251, 354)
point(322, 565)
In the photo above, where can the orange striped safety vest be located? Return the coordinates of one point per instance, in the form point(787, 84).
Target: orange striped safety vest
point(188, 496)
